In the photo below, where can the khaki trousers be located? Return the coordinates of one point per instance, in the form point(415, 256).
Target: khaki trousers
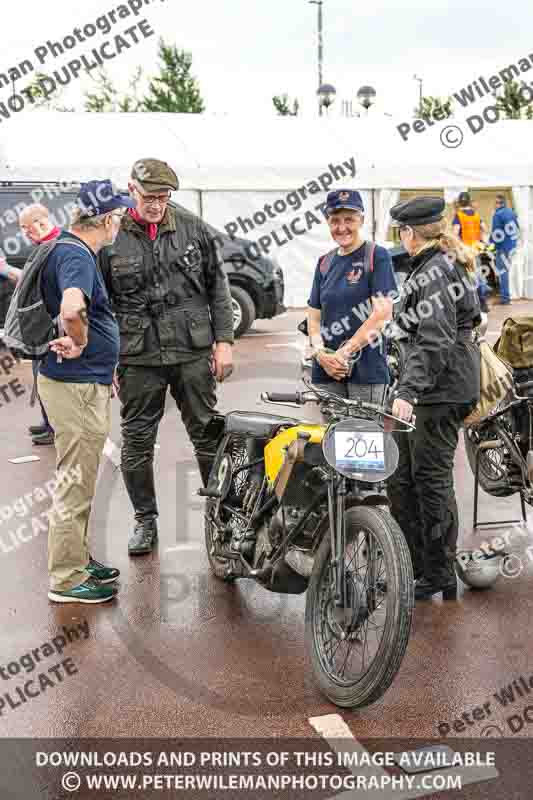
point(80, 414)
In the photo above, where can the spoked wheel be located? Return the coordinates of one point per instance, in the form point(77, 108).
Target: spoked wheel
point(493, 463)
point(220, 522)
point(356, 644)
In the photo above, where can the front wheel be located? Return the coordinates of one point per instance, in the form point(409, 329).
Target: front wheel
point(356, 645)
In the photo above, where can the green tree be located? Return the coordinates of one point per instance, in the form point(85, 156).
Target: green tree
point(106, 96)
point(512, 102)
point(281, 104)
point(47, 101)
point(429, 106)
point(175, 89)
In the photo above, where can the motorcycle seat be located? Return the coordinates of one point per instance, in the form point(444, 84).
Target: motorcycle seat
point(256, 424)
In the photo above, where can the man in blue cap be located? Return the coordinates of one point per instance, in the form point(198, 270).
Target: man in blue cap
point(350, 302)
point(75, 383)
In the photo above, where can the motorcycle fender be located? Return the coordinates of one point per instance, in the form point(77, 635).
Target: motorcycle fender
point(375, 500)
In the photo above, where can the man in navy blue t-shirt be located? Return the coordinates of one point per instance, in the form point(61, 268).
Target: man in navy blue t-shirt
point(75, 382)
point(350, 301)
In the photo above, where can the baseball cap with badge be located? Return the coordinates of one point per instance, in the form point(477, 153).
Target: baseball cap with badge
point(344, 198)
point(101, 197)
point(154, 175)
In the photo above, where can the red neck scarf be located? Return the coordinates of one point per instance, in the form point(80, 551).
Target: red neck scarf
point(52, 235)
point(149, 227)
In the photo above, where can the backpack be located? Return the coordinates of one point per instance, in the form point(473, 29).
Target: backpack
point(28, 325)
point(325, 263)
point(515, 344)
point(496, 384)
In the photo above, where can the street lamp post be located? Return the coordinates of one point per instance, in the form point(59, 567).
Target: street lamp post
point(326, 95)
point(366, 96)
point(320, 48)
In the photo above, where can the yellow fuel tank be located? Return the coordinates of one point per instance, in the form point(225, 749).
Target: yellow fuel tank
point(274, 455)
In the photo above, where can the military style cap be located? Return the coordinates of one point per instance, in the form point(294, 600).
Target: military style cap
point(154, 175)
point(418, 211)
point(344, 198)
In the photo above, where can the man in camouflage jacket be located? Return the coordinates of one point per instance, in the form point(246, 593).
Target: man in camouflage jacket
point(172, 301)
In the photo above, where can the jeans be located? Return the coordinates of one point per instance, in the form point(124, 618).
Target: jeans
point(503, 262)
point(368, 392)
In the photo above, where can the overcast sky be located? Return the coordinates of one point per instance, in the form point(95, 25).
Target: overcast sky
point(245, 51)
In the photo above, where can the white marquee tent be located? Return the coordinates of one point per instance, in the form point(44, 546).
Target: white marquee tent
point(230, 167)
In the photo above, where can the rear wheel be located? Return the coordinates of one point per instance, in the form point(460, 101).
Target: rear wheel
point(356, 646)
point(493, 463)
point(243, 311)
point(220, 524)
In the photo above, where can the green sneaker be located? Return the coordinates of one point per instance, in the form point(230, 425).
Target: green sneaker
point(89, 592)
point(101, 573)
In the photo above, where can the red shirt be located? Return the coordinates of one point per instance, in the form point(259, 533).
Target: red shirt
point(52, 235)
point(149, 227)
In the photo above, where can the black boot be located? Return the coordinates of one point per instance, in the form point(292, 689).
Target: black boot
point(439, 571)
point(140, 486)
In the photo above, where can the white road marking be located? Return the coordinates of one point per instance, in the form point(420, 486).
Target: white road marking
point(194, 548)
point(336, 732)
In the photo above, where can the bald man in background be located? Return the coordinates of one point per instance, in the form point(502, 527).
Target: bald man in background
point(36, 225)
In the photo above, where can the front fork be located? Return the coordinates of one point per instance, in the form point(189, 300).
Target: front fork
point(337, 491)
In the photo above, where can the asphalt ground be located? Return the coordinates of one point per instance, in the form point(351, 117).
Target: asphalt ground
point(180, 654)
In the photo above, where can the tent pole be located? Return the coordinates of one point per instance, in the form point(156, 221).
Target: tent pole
point(200, 204)
point(373, 214)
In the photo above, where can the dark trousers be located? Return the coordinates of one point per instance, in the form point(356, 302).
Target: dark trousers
point(143, 392)
point(421, 491)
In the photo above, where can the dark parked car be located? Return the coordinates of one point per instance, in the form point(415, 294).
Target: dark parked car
point(257, 284)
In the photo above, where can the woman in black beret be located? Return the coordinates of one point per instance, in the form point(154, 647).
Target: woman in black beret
point(440, 384)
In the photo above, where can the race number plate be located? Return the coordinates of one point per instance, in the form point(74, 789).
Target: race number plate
point(359, 450)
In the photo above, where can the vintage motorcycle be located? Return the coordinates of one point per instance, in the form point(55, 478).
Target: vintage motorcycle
point(296, 507)
point(500, 447)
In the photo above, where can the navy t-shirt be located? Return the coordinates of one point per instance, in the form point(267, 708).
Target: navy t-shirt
point(343, 295)
point(70, 267)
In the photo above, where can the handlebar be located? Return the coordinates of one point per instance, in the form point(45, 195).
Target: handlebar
point(320, 396)
point(283, 397)
point(301, 398)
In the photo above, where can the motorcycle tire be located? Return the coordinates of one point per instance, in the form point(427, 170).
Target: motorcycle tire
point(232, 451)
point(490, 483)
point(377, 526)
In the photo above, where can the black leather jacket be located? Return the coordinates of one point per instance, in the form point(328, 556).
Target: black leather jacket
point(439, 310)
point(171, 296)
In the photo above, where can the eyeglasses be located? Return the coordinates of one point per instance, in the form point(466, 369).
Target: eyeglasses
point(153, 200)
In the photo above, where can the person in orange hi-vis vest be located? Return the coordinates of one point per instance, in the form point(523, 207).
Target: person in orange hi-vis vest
point(470, 228)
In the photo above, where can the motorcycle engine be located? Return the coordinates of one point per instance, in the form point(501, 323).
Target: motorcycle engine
point(292, 516)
